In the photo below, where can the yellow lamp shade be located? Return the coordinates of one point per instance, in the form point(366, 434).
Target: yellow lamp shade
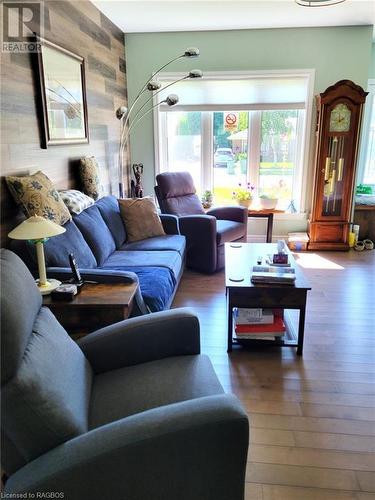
point(36, 228)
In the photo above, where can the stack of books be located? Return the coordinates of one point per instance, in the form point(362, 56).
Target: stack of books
point(275, 273)
point(258, 324)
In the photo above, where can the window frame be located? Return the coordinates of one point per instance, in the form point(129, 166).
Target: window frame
point(302, 170)
point(368, 111)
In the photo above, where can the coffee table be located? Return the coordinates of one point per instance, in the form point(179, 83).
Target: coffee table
point(98, 305)
point(240, 292)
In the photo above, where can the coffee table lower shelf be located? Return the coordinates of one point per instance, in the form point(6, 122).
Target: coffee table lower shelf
point(289, 339)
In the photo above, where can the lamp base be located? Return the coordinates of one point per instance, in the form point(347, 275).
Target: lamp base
point(51, 285)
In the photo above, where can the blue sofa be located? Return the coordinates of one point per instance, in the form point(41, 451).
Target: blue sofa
point(97, 237)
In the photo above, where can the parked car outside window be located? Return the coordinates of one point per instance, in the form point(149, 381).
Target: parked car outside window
point(222, 157)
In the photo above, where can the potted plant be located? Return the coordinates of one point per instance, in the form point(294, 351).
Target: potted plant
point(207, 199)
point(244, 195)
point(268, 202)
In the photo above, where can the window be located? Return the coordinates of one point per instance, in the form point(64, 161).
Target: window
point(258, 142)
point(367, 160)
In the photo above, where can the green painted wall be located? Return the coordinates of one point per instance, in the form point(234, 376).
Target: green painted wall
point(371, 73)
point(335, 53)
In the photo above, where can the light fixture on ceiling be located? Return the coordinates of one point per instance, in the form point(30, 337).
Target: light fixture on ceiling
point(318, 3)
point(152, 85)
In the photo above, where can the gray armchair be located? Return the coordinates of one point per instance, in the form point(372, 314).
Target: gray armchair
point(132, 412)
point(205, 232)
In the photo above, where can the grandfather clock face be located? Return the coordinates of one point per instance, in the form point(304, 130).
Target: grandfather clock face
point(339, 120)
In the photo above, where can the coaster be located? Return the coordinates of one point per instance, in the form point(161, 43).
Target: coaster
point(236, 278)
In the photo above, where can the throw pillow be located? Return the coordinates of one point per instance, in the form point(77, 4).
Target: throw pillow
point(140, 218)
point(75, 200)
point(37, 196)
point(89, 173)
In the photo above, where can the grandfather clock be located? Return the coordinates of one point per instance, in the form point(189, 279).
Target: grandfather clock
point(338, 127)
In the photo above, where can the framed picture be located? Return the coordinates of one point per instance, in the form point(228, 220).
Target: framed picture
point(63, 94)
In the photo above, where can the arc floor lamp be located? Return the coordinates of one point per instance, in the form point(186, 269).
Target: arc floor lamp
point(153, 86)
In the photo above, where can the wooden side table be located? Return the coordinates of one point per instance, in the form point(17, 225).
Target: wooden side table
point(266, 214)
point(97, 305)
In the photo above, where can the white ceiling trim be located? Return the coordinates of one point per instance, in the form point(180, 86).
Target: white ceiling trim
point(137, 16)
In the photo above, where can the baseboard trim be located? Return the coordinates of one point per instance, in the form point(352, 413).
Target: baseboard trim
point(260, 238)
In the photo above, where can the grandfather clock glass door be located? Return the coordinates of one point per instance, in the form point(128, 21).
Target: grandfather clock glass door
point(339, 117)
point(336, 175)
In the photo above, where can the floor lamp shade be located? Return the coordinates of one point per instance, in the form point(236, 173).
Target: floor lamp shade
point(37, 229)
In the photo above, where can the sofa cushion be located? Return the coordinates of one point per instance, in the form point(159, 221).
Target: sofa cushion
point(174, 242)
point(150, 385)
point(157, 285)
point(75, 200)
point(228, 230)
point(58, 248)
point(46, 403)
point(110, 211)
point(133, 258)
point(140, 218)
point(90, 179)
point(96, 233)
point(37, 196)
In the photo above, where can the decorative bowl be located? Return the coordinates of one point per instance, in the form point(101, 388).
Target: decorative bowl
point(268, 203)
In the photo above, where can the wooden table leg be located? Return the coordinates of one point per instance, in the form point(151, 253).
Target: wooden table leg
point(230, 322)
point(301, 329)
point(269, 228)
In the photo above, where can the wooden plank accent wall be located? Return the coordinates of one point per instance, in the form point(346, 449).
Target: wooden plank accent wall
point(80, 27)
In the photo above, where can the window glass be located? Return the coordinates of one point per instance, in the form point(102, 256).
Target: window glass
point(369, 172)
point(278, 155)
point(183, 141)
point(230, 145)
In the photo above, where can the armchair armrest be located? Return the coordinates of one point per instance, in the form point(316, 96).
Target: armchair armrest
point(235, 214)
point(170, 223)
point(192, 449)
point(102, 276)
point(197, 228)
point(138, 340)
point(200, 232)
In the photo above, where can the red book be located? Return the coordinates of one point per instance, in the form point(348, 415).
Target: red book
point(277, 326)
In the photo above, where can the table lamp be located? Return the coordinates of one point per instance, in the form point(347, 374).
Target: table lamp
point(37, 230)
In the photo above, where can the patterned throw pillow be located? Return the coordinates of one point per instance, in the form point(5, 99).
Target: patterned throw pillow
point(89, 172)
point(37, 196)
point(76, 201)
point(140, 218)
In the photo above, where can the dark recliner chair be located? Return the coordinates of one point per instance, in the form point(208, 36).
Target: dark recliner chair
point(205, 232)
point(132, 412)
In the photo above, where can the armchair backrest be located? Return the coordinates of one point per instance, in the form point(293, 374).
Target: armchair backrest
point(45, 378)
point(176, 194)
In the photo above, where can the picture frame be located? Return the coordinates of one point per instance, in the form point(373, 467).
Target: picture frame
point(62, 86)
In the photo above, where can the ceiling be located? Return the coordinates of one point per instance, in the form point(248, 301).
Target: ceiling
point(137, 16)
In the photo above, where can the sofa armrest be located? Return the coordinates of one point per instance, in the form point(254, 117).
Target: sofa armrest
point(170, 223)
point(103, 276)
point(138, 340)
point(192, 449)
point(235, 214)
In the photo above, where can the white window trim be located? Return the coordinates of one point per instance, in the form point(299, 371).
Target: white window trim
point(366, 130)
point(309, 74)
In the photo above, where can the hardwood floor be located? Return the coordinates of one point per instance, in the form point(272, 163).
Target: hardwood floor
point(312, 419)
